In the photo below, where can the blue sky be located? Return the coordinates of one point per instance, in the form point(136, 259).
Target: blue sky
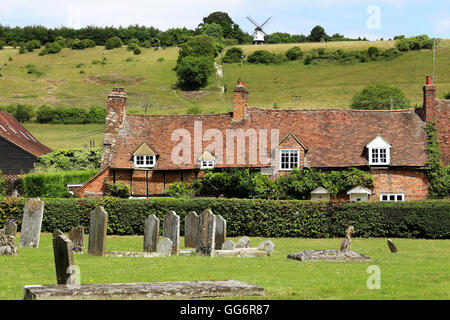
point(371, 19)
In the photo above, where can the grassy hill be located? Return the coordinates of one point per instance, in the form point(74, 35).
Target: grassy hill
point(83, 78)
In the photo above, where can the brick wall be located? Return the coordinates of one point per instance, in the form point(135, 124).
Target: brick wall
point(413, 183)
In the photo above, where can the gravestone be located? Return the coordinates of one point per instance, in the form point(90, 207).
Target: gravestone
point(392, 246)
point(57, 232)
point(30, 233)
point(268, 246)
point(165, 247)
point(2, 232)
point(243, 242)
point(221, 232)
point(228, 245)
point(8, 245)
point(151, 233)
point(97, 232)
point(206, 234)
point(190, 229)
point(10, 228)
point(76, 235)
point(171, 230)
point(63, 254)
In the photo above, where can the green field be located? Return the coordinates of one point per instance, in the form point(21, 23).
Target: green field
point(149, 80)
point(420, 269)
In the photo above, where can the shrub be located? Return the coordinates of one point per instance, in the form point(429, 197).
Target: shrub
point(70, 159)
point(137, 50)
point(447, 95)
point(119, 189)
point(378, 97)
point(294, 53)
point(112, 43)
point(199, 46)
point(253, 218)
point(29, 46)
point(51, 49)
point(193, 72)
point(194, 110)
point(261, 56)
point(233, 55)
point(44, 114)
point(373, 52)
point(2, 44)
point(3, 185)
point(414, 43)
point(180, 189)
point(23, 112)
point(22, 50)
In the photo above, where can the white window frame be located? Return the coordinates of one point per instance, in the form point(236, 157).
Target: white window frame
point(144, 161)
point(207, 164)
point(378, 147)
point(395, 195)
point(290, 165)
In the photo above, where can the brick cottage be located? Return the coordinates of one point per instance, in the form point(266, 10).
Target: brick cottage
point(150, 152)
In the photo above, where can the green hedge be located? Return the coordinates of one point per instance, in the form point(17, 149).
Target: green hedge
point(263, 218)
point(53, 184)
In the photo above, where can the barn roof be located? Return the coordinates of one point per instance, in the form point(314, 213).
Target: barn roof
point(13, 131)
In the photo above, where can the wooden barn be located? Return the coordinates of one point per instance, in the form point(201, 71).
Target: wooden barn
point(19, 150)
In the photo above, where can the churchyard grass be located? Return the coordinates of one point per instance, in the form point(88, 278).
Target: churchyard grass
point(419, 270)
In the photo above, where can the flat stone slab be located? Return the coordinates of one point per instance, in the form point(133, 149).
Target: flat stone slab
point(144, 291)
point(119, 254)
point(328, 255)
point(241, 253)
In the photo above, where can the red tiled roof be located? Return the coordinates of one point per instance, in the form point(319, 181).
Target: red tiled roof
point(13, 131)
point(335, 138)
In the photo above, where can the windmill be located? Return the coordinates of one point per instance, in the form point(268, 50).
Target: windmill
point(258, 34)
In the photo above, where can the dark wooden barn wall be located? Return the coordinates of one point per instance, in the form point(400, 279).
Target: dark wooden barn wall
point(13, 160)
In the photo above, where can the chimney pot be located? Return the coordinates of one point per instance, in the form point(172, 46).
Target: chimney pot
point(429, 80)
point(240, 101)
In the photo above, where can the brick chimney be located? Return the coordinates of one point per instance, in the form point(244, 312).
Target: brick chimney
point(429, 97)
point(240, 101)
point(115, 117)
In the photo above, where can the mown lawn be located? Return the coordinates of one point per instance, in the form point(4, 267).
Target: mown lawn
point(420, 270)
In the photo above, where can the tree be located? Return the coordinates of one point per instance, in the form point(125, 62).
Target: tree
point(294, 53)
point(379, 97)
point(213, 30)
point(318, 34)
point(233, 55)
point(230, 30)
point(193, 72)
point(112, 43)
point(199, 46)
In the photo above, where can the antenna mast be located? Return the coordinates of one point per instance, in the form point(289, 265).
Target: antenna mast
point(434, 55)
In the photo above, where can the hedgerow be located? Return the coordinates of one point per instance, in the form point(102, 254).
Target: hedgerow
point(254, 218)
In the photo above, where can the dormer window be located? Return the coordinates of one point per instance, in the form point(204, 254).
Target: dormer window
point(207, 160)
point(144, 157)
point(289, 159)
point(379, 152)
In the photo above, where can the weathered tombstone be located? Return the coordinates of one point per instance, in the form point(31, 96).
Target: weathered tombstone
point(57, 232)
point(392, 246)
point(190, 229)
point(63, 254)
point(8, 245)
point(268, 246)
point(2, 232)
point(228, 245)
point(10, 228)
point(151, 233)
point(30, 233)
point(165, 247)
point(97, 232)
point(221, 232)
point(76, 235)
point(171, 230)
point(206, 233)
point(243, 242)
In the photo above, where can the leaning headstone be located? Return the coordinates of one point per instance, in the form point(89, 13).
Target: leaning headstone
point(97, 232)
point(268, 246)
point(8, 246)
point(221, 231)
point(190, 229)
point(76, 235)
point(171, 230)
point(151, 233)
point(206, 233)
point(31, 223)
point(165, 247)
point(228, 245)
point(392, 246)
point(63, 254)
point(10, 228)
point(243, 242)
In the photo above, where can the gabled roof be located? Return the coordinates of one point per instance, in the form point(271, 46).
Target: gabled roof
point(336, 138)
point(378, 141)
point(320, 190)
point(14, 132)
point(359, 189)
point(144, 150)
point(293, 137)
point(207, 156)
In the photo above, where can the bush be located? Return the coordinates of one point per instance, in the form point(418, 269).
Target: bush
point(112, 43)
point(193, 72)
point(51, 49)
point(119, 189)
point(253, 218)
point(261, 56)
point(414, 43)
point(2, 44)
point(378, 97)
point(3, 185)
point(447, 95)
point(180, 189)
point(53, 184)
point(70, 159)
point(233, 55)
point(21, 112)
point(294, 53)
point(199, 46)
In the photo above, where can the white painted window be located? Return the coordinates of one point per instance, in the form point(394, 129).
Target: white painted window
point(206, 164)
point(289, 159)
point(392, 197)
point(144, 161)
point(379, 152)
